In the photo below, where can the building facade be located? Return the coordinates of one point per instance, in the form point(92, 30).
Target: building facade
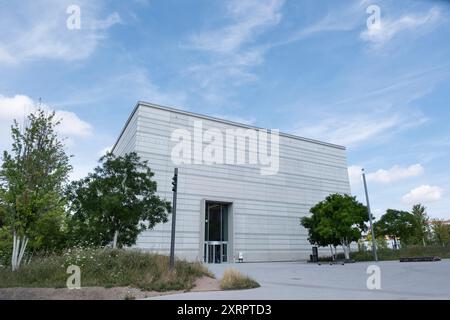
point(247, 206)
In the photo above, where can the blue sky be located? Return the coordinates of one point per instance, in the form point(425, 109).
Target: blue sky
point(307, 67)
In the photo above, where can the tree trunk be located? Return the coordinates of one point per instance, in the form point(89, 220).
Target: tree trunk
point(346, 253)
point(116, 235)
point(19, 246)
point(346, 248)
point(332, 254)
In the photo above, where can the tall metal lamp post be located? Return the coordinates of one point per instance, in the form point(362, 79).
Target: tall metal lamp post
point(374, 247)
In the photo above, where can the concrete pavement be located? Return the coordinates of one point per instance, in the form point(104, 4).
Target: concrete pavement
point(299, 281)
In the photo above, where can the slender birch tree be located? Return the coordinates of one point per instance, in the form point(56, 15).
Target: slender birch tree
point(31, 179)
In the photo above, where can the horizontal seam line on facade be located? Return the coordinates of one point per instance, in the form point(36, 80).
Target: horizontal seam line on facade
point(202, 196)
point(265, 234)
point(262, 234)
point(252, 214)
point(246, 166)
point(343, 182)
point(309, 153)
point(313, 152)
point(267, 215)
point(328, 191)
point(197, 115)
point(242, 205)
point(268, 249)
point(141, 131)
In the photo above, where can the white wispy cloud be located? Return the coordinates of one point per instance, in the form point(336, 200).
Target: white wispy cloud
point(396, 173)
point(349, 17)
point(236, 66)
point(423, 194)
point(390, 27)
point(353, 129)
point(231, 48)
point(393, 174)
point(133, 82)
point(369, 112)
point(247, 20)
point(38, 29)
point(344, 18)
point(103, 24)
point(138, 83)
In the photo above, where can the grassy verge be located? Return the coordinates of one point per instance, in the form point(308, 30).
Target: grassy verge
point(234, 280)
point(106, 268)
point(389, 254)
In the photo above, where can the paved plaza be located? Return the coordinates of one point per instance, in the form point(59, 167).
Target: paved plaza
point(300, 280)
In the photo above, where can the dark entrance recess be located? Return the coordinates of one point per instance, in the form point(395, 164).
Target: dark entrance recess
point(216, 232)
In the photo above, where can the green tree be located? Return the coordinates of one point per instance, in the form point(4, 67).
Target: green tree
point(339, 219)
point(31, 181)
point(397, 225)
point(2, 215)
point(422, 223)
point(441, 232)
point(116, 202)
point(316, 236)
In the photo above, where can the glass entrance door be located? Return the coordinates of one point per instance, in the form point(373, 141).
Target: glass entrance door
point(216, 233)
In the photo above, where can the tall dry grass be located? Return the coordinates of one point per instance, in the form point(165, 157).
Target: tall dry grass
point(234, 280)
point(106, 268)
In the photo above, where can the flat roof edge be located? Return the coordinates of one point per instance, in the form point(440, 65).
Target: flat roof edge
point(197, 115)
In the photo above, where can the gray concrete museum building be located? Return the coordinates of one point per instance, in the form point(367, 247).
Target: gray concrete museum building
point(241, 189)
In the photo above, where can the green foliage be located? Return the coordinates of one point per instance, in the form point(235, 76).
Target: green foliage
point(316, 236)
point(118, 197)
point(2, 215)
point(399, 225)
point(385, 254)
point(5, 246)
point(52, 235)
point(441, 232)
point(422, 232)
point(410, 228)
point(32, 176)
point(339, 219)
point(106, 268)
